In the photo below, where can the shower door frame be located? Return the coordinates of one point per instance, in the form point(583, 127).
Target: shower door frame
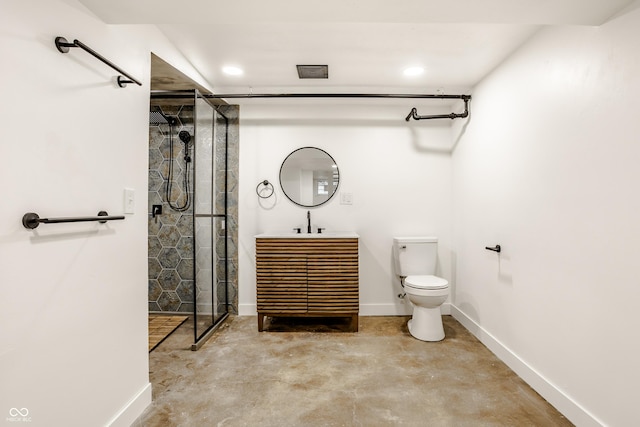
point(201, 338)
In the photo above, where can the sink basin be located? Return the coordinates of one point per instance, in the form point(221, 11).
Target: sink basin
point(323, 235)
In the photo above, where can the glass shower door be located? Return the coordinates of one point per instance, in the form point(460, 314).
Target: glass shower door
point(209, 218)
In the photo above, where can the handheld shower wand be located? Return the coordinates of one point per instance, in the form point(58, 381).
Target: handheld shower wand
point(185, 137)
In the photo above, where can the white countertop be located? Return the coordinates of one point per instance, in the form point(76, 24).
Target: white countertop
point(323, 235)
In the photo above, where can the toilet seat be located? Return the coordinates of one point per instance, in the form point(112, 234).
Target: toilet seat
point(425, 282)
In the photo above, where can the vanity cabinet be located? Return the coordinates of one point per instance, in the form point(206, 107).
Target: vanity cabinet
point(315, 277)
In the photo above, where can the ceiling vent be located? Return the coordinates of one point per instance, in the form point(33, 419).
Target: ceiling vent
point(313, 71)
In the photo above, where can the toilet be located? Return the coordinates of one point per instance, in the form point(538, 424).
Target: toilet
point(415, 263)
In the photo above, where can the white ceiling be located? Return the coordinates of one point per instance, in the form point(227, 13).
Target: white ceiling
point(365, 43)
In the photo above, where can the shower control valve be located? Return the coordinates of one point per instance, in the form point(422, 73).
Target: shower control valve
point(155, 211)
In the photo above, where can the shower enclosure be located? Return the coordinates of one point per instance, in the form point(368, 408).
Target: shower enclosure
point(188, 202)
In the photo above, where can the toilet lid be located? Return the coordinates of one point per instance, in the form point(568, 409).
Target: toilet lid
point(426, 282)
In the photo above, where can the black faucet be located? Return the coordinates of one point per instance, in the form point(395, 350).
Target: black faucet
point(309, 222)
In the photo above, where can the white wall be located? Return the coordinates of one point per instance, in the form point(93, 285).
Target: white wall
point(399, 175)
point(548, 167)
point(73, 297)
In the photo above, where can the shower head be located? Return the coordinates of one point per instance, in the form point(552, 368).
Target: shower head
point(157, 117)
point(184, 136)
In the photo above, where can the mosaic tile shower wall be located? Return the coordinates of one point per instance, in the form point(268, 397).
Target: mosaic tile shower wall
point(171, 257)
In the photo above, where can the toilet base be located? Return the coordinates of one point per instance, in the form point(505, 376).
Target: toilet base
point(426, 324)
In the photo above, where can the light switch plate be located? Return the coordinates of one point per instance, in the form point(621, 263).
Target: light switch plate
point(346, 198)
point(129, 200)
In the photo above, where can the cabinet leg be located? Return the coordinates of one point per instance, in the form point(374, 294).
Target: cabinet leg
point(354, 323)
point(260, 322)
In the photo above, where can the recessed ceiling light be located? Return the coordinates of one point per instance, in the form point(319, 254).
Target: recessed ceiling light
point(413, 71)
point(232, 71)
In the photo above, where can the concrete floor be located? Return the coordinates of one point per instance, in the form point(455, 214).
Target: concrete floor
point(303, 373)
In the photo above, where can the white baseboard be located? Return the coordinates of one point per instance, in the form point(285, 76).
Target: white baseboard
point(365, 309)
point(563, 403)
point(384, 310)
point(247, 310)
point(395, 309)
point(133, 409)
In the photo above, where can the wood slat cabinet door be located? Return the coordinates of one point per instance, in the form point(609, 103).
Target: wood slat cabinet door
point(281, 283)
point(332, 280)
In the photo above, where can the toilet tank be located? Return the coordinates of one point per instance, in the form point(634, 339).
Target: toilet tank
point(415, 255)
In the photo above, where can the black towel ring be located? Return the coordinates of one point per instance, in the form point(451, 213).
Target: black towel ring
point(267, 185)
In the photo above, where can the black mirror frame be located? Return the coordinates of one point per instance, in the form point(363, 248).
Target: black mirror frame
point(285, 192)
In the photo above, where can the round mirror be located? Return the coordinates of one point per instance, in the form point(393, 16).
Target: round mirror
point(309, 177)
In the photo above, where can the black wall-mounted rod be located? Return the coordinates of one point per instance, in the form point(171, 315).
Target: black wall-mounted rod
point(32, 220)
point(63, 46)
point(337, 95)
point(414, 113)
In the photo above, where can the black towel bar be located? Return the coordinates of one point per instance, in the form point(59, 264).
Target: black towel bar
point(63, 46)
point(32, 220)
